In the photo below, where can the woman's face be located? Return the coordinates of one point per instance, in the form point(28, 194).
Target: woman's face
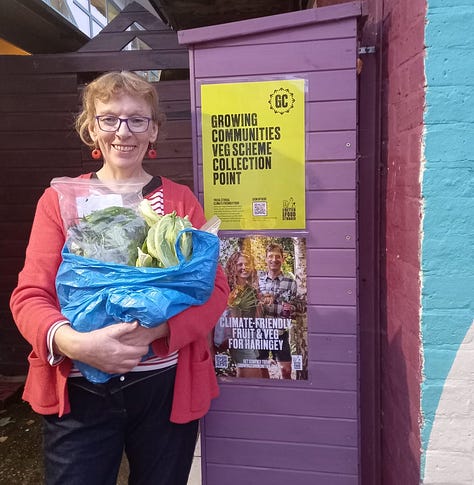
point(243, 268)
point(122, 149)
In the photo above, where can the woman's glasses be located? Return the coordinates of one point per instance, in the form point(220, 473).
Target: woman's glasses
point(136, 124)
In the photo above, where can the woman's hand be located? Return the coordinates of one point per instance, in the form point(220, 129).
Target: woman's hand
point(115, 349)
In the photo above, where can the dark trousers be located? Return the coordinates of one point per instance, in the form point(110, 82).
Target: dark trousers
point(85, 447)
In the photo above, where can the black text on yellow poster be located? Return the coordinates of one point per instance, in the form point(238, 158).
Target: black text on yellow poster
point(253, 147)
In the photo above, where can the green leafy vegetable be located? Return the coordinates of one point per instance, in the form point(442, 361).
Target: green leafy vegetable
point(161, 241)
point(111, 235)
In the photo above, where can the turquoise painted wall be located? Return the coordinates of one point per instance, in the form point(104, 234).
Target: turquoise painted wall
point(447, 257)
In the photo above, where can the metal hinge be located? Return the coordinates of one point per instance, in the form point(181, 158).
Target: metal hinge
point(370, 49)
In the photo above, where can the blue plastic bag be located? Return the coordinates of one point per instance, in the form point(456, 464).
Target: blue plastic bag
point(94, 294)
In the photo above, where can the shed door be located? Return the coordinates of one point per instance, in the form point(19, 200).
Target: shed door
point(303, 431)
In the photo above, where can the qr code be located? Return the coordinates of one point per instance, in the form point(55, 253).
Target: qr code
point(297, 362)
point(221, 361)
point(259, 208)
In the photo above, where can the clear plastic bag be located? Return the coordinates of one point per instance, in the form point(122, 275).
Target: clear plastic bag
point(79, 197)
point(101, 221)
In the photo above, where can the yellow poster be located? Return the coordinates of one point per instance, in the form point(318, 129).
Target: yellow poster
point(253, 147)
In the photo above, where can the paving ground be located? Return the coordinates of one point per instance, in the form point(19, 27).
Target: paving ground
point(20, 441)
point(20, 438)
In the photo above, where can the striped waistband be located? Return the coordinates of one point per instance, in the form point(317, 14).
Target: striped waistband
point(153, 363)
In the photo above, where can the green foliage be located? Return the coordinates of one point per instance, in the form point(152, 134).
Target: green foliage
point(111, 235)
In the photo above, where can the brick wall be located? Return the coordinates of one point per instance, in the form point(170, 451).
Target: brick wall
point(403, 101)
point(448, 250)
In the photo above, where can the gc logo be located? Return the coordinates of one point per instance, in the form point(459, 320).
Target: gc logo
point(281, 101)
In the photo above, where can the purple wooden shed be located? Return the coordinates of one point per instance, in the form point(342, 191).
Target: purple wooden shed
point(298, 432)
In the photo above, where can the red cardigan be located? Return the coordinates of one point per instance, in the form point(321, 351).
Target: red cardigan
point(35, 309)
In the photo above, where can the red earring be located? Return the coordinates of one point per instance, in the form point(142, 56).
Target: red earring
point(151, 151)
point(96, 154)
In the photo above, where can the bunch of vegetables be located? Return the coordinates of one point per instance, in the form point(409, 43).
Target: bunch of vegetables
point(243, 298)
point(159, 247)
point(121, 235)
point(110, 235)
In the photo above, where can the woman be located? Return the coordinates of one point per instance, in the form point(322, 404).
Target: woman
point(243, 302)
point(151, 409)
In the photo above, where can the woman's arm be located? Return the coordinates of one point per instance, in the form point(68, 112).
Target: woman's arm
point(33, 302)
point(198, 321)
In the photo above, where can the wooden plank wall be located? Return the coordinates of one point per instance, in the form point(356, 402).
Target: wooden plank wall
point(299, 432)
point(174, 147)
point(36, 144)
